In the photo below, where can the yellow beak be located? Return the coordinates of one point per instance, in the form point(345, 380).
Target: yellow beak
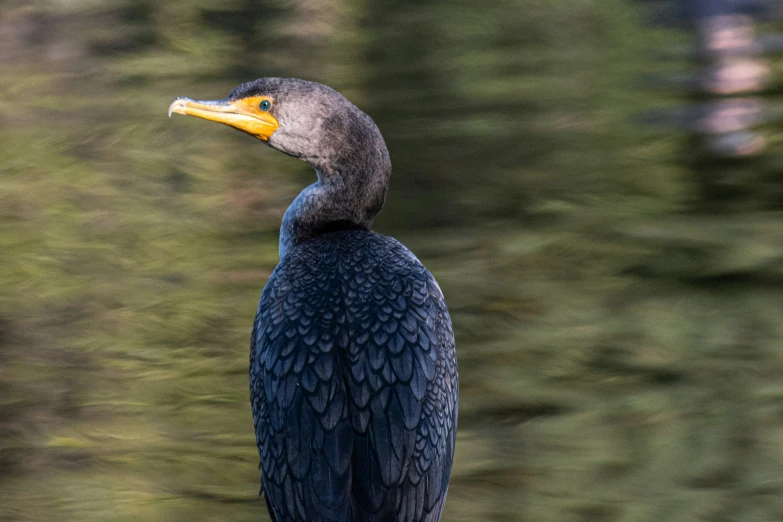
point(243, 114)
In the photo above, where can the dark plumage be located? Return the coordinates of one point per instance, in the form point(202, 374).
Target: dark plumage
point(353, 373)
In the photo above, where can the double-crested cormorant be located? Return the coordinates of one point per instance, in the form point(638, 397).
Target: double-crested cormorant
point(353, 373)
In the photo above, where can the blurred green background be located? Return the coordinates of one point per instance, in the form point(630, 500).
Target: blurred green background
point(620, 342)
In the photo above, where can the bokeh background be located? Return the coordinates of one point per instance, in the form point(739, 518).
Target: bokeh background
point(616, 296)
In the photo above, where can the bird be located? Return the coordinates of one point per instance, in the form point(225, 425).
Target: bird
point(353, 369)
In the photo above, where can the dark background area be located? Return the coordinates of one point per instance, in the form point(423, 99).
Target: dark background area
point(619, 328)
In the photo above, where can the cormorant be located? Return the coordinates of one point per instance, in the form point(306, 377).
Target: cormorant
point(353, 373)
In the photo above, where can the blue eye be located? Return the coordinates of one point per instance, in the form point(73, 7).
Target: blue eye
point(265, 105)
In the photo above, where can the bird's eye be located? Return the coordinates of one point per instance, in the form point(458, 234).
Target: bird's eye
point(265, 105)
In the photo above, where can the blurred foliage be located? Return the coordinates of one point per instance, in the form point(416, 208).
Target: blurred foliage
point(621, 351)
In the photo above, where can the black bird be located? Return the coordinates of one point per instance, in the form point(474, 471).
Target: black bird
point(353, 373)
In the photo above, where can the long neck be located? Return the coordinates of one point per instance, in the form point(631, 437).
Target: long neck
point(340, 199)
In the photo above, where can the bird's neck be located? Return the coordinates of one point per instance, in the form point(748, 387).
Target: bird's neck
point(339, 200)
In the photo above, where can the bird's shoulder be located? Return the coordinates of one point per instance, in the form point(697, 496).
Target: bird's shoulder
point(350, 283)
point(354, 249)
point(337, 262)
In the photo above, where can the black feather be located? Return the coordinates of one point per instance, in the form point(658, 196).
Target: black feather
point(353, 383)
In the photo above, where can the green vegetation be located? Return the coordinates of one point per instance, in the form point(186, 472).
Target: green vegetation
point(621, 349)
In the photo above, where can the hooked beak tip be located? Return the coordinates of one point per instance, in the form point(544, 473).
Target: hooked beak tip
point(179, 105)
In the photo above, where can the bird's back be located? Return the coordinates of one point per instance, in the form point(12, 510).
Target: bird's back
point(353, 383)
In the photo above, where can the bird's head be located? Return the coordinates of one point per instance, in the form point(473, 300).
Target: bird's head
point(303, 119)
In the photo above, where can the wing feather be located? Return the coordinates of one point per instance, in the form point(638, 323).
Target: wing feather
point(353, 384)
